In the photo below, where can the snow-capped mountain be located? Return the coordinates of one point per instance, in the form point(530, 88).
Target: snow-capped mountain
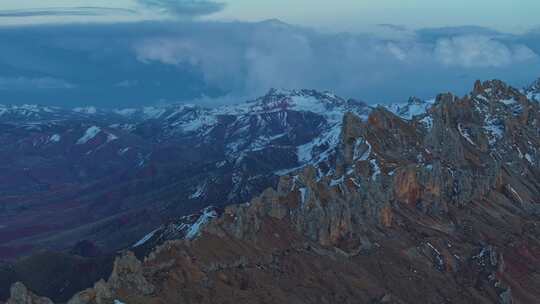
point(412, 108)
point(32, 113)
point(168, 161)
point(111, 167)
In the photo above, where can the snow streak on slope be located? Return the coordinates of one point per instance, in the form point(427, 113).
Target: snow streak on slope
point(90, 133)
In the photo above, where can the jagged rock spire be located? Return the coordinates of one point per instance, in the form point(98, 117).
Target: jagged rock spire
point(21, 295)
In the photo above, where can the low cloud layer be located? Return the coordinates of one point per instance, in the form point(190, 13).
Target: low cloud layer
point(26, 83)
point(256, 57)
point(218, 62)
point(475, 51)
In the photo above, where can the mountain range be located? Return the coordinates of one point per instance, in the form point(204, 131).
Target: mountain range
point(347, 203)
point(90, 174)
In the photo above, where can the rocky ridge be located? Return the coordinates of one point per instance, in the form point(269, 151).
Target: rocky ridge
point(533, 90)
point(441, 206)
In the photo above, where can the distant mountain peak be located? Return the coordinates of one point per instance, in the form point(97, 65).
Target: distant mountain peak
point(490, 86)
point(533, 90)
point(496, 92)
point(414, 106)
point(86, 110)
point(274, 22)
point(535, 85)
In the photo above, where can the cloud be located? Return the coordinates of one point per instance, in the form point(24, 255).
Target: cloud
point(185, 8)
point(127, 84)
point(256, 57)
point(25, 83)
point(472, 51)
point(221, 62)
point(455, 31)
point(64, 11)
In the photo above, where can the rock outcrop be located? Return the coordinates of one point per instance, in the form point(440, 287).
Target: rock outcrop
point(21, 295)
point(126, 278)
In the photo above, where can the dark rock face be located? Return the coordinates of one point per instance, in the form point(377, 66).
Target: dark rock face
point(439, 208)
point(55, 275)
point(87, 249)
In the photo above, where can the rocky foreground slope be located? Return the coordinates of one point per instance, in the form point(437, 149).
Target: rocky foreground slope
point(440, 208)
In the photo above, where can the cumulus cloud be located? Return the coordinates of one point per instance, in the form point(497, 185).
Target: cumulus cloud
point(25, 83)
point(472, 51)
point(189, 8)
point(258, 57)
point(265, 55)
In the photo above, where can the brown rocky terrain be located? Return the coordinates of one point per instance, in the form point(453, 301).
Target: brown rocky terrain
point(441, 208)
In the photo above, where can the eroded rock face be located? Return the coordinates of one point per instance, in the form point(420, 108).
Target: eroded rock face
point(128, 275)
point(21, 295)
point(127, 278)
point(441, 208)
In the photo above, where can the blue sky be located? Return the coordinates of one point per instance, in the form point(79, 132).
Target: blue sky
point(506, 15)
point(140, 52)
point(503, 15)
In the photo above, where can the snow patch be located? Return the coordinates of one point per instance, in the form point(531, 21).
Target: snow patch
point(263, 142)
point(55, 138)
point(303, 193)
point(200, 191)
point(494, 128)
point(125, 112)
point(481, 98)
point(145, 239)
point(198, 123)
point(90, 133)
point(123, 151)
point(528, 157)
point(428, 122)
point(306, 153)
point(515, 194)
point(410, 109)
point(465, 134)
point(338, 181)
point(195, 229)
point(365, 155)
point(376, 169)
point(433, 248)
point(509, 102)
point(356, 183)
point(111, 137)
point(86, 110)
point(153, 112)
